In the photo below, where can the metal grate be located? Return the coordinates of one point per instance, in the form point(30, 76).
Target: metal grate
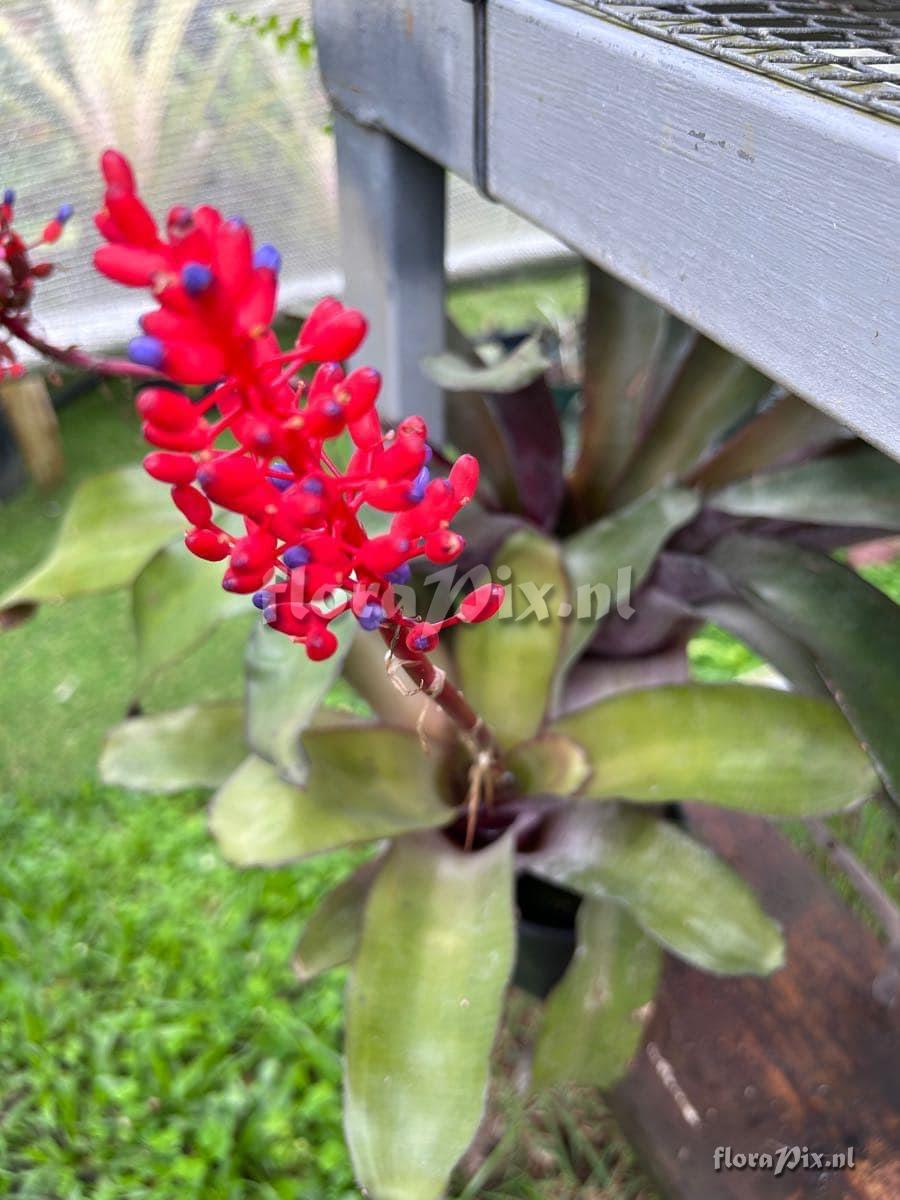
point(850, 52)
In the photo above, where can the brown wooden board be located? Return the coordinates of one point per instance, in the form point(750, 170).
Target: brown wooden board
point(805, 1058)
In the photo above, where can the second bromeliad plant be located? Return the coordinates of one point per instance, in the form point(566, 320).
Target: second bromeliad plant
point(536, 744)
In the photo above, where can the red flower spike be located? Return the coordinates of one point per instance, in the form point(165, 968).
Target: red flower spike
point(193, 504)
point(171, 468)
point(211, 324)
point(167, 409)
point(320, 642)
point(226, 478)
point(117, 170)
point(481, 604)
point(443, 546)
point(422, 637)
point(210, 544)
point(464, 476)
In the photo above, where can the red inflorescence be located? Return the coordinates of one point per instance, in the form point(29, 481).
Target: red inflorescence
point(18, 276)
point(304, 553)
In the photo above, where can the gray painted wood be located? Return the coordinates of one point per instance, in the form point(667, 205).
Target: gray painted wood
point(403, 65)
point(763, 215)
point(393, 214)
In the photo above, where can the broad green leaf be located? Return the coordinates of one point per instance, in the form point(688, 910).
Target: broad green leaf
point(331, 934)
point(789, 426)
point(457, 373)
point(363, 783)
point(623, 335)
point(751, 748)
point(594, 1017)
point(114, 524)
point(609, 559)
point(678, 891)
point(507, 665)
point(423, 1007)
point(177, 602)
point(197, 746)
point(549, 764)
point(713, 392)
point(851, 629)
point(284, 689)
point(787, 655)
point(856, 487)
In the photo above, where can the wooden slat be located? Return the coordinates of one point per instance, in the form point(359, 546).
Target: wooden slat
point(805, 1058)
point(32, 419)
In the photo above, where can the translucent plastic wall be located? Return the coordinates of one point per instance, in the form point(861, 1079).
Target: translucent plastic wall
point(208, 110)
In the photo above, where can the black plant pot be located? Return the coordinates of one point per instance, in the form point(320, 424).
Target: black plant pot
point(546, 940)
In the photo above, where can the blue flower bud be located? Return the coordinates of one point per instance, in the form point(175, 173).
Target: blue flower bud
point(9, 197)
point(419, 484)
point(64, 213)
point(402, 574)
point(371, 615)
point(147, 351)
point(295, 556)
point(196, 278)
point(314, 486)
point(262, 599)
point(267, 256)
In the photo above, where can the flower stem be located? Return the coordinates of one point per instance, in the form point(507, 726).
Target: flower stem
point(435, 684)
point(73, 357)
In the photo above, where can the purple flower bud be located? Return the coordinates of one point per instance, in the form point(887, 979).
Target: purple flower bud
point(270, 614)
point(276, 480)
point(314, 486)
point(371, 615)
point(263, 599)
point(296, 556)
point(9, 197)
point(402, 574)
point(196, 278)
point(419, 484)
point(267, 256)
point(147, 351)
point(64, 213)
point(429, 454)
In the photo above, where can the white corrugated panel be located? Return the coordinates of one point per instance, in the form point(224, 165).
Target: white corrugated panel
point(208, 111)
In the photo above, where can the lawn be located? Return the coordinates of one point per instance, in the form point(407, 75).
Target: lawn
point(153, 1042)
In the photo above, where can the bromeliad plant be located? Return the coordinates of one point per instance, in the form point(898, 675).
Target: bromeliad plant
point(524, 751)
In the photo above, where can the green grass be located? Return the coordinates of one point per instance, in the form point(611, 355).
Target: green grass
point(152, 1040)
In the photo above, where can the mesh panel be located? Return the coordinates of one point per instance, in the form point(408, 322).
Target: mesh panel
point(207, 111)
point(850, 52)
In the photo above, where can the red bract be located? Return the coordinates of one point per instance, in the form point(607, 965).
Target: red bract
point(304, 551)
point(18, 275)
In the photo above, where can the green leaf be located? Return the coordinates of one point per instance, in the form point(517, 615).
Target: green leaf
point(713, 392)
point(789, 426)
point(851, 629)
point(507, 665)
point(549, 764)
point(678, 891)
point(755, 749)
point(423, 1006)
point(363, 782)
point(332, 932)
point(177, 603)
point(595, 1016)
point(284, 689)
point(190, 747)
point(457, 373)
point(623, 336)
point(856, 487)
point(114, 524)
point(626, 542)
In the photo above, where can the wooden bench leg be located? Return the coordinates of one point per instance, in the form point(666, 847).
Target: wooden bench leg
point(32, 419)
point(392, 211)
